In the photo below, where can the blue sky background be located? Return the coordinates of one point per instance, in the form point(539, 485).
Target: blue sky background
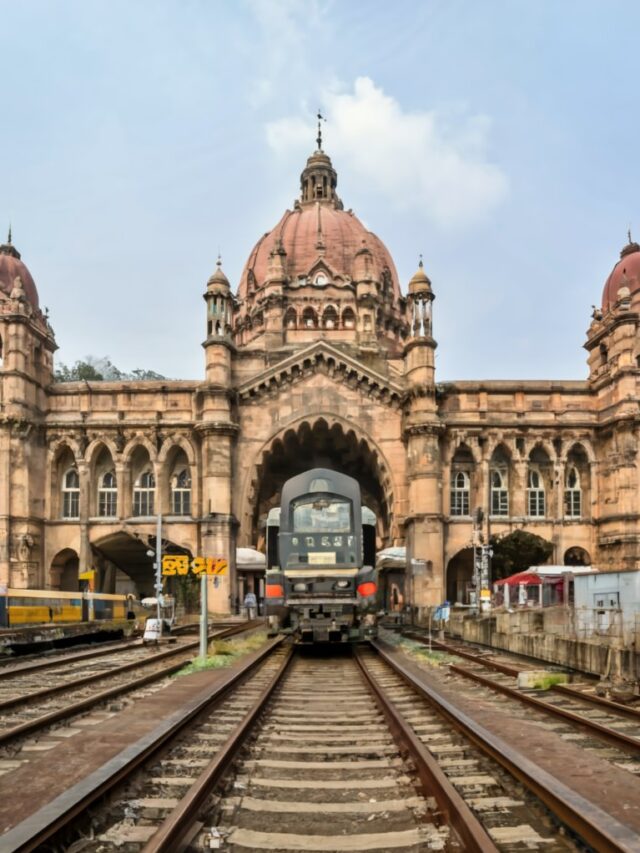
point(499, 139)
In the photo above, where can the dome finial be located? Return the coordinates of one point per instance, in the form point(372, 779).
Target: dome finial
point(320, 118)
point(219, 260)
point(629, 235)
point(9, 235)
point(420, 264)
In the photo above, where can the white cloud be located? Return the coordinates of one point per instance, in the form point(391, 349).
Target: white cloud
point(424, 161)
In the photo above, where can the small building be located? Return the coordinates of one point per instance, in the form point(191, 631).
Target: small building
point(539, 586)
point(607, 601)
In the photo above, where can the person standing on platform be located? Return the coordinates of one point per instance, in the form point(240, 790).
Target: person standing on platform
point(250, 604)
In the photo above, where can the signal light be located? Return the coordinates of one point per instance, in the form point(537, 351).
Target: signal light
point(274, 590)
point(342, 585)
point(367, 589)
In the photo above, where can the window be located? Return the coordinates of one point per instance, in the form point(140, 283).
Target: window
point(144, 493)
point(71, 494)
point(322, 514)
point(460, 494)
point(108, 495)
point(572, 494)
point(535, 494)
point(499, 493)
point(181, 493)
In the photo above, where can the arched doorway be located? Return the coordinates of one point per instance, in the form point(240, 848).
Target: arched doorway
point(576, 557)
point(460, 576)
point(318, 445)
point(64, 571)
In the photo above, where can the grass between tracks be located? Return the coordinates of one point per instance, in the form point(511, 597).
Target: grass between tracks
point(417, 651)
point(225, 652)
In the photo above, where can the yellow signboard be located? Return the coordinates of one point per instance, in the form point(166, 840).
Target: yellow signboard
point(179, 564)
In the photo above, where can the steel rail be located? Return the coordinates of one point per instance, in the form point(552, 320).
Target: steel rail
point(618, 738)
point(41, 722)
point(599, 829)
point(44, 692)
point(435, 783)
point(9, 671)
point(453, 650)
point(40, 827)
point(632, 713)
point(178, 827)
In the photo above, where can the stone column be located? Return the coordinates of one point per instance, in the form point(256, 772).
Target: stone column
point(5, 504)
point(85, 556)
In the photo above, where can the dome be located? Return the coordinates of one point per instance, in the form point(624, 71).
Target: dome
point(318, 229)
point(626, 273)
point(11, 267)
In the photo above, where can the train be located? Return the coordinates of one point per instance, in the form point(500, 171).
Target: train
point(24, 607)
point(321, 580)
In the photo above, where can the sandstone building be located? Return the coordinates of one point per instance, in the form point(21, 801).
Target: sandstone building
point(318, 358)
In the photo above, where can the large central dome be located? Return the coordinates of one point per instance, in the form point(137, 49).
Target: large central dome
point(318, 231)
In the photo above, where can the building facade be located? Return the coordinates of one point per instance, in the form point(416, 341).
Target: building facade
point(319, 358)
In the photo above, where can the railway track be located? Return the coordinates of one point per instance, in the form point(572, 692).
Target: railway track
point(301, 753)
point(603, 723)
point(29, 708)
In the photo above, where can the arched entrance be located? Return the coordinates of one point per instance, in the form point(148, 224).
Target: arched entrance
point(577, 557)
point(64, 571)
point(318, 444)
point(460, 576)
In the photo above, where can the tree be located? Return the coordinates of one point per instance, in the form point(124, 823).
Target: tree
point(516, 552)
point(99, 369)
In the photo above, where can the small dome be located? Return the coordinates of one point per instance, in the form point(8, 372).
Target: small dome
point(420, 282)
point(218, 278)
point(626, 273)
point(11, 267)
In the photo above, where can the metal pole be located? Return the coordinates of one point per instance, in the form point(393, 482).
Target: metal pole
point(204, 616)
point(159, 567)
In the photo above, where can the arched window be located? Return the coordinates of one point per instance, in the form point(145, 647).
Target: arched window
point(348, 319)
point(290, 319)
point(181, 493)
point(108, 495)
point(572, 494)
point(309, 319)
point(460, 494)
point(499, 493)
point(330, 318)
point(71, 494)
point(144, 494)
point(535, 494)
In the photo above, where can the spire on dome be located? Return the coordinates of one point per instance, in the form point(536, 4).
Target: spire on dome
point(320, 118)
point(9, 235)
point(631, 246)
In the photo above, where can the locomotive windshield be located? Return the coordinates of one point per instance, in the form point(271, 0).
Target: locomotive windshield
point(322, 515)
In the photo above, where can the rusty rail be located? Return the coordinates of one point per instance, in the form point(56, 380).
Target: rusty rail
point(618, 738)
point(435, 783)
point(40, 827)
point(179, 825)
point(599, 829)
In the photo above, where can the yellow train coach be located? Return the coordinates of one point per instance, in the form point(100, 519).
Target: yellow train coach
point(21, 607)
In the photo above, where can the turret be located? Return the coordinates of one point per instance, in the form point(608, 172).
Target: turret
point(218, 346)
point(420, 346)
point(274, 297)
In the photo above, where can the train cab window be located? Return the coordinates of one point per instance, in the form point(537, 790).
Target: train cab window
point(322, 515)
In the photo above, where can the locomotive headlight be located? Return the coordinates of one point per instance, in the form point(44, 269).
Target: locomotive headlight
point(299, 587)
point(342, 585)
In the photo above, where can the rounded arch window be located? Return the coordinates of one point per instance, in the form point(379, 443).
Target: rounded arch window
point(460, 493)
point(499, 493)
point(144, 491)
point(108, 495)
point(181, 492)
point(309, 319)
point(572, 493)
point(348, 318)
point(71, 494)
point(536, 505)
point(330, 318)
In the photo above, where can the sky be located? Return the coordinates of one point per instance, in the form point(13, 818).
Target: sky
point(497, 139)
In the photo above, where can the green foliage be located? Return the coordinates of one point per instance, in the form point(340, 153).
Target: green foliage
point(548, 681)
point(99, 369)
point(225, 652)
point(516, 552)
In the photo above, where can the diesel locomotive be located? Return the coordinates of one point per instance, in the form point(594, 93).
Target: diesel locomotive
point(321, 581)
